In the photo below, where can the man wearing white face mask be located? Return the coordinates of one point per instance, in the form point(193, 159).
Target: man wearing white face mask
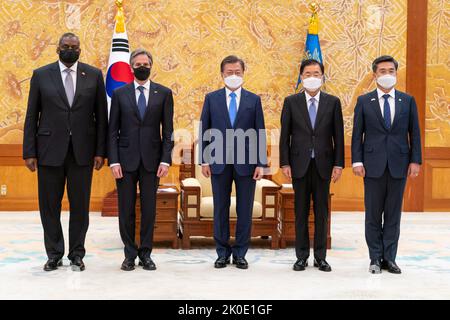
point(311, 154)
point(232, 110)
point(385, 151)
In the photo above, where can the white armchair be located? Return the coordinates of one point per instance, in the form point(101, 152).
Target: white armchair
point(197, 208)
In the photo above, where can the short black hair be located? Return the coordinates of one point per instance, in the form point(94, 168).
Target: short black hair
point(231, 59)
point(67, 35)
point(310, 62)
point(383, 59)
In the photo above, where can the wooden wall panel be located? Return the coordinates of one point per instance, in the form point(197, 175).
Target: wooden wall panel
point(416, 73)
point(428, 192)
point(440, 179)
point(348, 191)
point(437, 179)
point(22, 188)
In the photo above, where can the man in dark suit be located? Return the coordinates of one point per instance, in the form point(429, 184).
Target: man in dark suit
point(230, 116)
point(139, 151)
point(385, 150)
point(64, 138)
point(311, 154)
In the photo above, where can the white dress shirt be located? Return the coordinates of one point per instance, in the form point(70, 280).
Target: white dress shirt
point(238, 97)
point(391, 101)
point(146, 94)
point(146, 91)
point(308, 101)
point(74, 69)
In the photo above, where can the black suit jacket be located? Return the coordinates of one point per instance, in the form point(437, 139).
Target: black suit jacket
point(131, 139)
point(50, 120)
point(298, 138)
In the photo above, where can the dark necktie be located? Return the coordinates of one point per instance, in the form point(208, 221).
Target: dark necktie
point(312, 116)
point(142, 104)
point(387, 111)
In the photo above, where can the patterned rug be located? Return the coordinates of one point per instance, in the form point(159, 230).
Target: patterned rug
point(424, 256)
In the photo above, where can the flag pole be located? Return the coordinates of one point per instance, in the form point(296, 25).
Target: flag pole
point(120, 17)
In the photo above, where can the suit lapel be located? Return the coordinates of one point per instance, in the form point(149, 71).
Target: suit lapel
point(55, 75)
point(223, 107)
point(398, 107)
point(243, 103)
point(375, 104)
point(81, 83)
point(151, 98)
point(304, 109)
point(321, 108)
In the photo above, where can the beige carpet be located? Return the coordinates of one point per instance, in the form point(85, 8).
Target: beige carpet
point(424, 256)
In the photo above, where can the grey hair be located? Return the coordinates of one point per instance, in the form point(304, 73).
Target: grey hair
point(138, 52)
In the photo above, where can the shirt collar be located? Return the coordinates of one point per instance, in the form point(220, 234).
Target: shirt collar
point(381, 93)
point(308, 97)
point(237, 91)
point(62, 67)
point(145, 85)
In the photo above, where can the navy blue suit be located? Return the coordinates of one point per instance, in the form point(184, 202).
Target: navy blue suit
point(236, 163)
point(386, 154)
point(139, 145)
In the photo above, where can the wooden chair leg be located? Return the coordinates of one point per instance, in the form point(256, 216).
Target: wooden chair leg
point(186, 241)
point(175, 243)
point(275, 245)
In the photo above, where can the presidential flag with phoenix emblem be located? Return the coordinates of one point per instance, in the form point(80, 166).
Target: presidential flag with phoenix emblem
point(312, 45)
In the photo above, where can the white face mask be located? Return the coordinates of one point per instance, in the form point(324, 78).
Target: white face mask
point(233, 82)
point(312, 83)
point(387, 81)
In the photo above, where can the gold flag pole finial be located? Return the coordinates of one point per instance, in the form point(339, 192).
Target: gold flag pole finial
point(120, 17)
point(314, 20)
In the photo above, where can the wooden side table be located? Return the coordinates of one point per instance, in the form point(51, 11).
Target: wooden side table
point(287, 218)
point(166, 223)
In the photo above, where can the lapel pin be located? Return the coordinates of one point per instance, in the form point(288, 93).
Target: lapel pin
point(399, 99)
point(155, 91)
point(83, 74)
point(373, 99)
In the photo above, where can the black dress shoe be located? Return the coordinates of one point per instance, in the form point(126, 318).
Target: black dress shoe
point(240, 263)
point(77, 264)
point(221, 262)
point(300, 265)
point(147, 263)
point(375, 266)
point(52, 264)
point(391, 267)
point(322, 265)
point(127, 265)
